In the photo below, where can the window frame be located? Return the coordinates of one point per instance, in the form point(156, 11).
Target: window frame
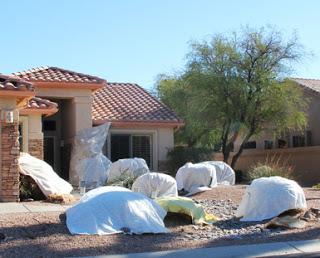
point(143, 132)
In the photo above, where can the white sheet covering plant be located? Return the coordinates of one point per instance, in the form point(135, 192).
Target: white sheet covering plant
point(87, 160)
point(225, 174)
point(268, 197)
point(195, 178)
point(111, 209)
point(123, 169)
point(155, 185)
point(42, 173)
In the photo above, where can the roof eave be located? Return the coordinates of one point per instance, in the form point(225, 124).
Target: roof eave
point(68, 85)
point(141, 123)
point(41, 111)
point(17, 93)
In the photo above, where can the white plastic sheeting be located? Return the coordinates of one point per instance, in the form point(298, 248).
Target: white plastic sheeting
point(155, 185)
point(125, 168)
point(87, 160)
point(267, 197)
point(195, 178)
point(43, 174)
point(110, 209)
point(225, 174)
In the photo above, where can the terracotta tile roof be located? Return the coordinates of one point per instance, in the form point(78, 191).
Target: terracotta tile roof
point(55, 74)
point(126, 102)
point(310, 84)
point(40, 105)
point(10, 82)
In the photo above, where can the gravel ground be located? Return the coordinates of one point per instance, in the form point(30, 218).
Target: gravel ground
point(45, 234)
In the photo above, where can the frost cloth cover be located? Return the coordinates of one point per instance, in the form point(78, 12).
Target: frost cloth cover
point(268, 197)
point(155, 185)
point(111, 209)
point(187, 206)
point(127, 168)
point(42, 173)
point(195, 178)
point(87, 160)
point(225, 174)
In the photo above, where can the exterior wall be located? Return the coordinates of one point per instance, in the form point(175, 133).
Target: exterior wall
point(32, 135)
point(162, 141)
point(9, 153)
point(314, 118)
point(304, 160)
point(36, 148)
point(313, 114)
point(78, 115)
point(35, 136)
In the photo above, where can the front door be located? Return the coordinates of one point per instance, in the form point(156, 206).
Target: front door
point(48, 150)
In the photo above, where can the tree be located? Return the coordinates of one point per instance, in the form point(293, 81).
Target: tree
point(233, 88)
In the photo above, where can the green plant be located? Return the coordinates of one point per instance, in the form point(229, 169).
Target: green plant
point(317, 186)
point(274, 166)
point(29, 189)
point(232, 87)
point(180, 155)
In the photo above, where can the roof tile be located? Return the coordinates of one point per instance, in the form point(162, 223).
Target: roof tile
point(128, 102)
point(10, 82)
point(310, 84)
point(40, 103)
point(55, 74)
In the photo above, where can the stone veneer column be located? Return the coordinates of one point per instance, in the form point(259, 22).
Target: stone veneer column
point(36, 148)
point(35, 136)
point(9, 176)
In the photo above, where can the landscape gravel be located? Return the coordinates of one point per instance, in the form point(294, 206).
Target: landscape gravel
point(46, 235)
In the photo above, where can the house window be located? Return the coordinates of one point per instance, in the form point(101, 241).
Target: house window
point(298, 141)
point(302, 140)
point(250, 145)
point(308, 138)
point(131, 146)
point(23, 133)
point(268, 145)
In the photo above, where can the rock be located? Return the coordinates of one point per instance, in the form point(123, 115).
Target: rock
point(2, 237)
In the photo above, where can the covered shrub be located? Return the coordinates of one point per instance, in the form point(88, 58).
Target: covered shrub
point(29, 189)
point(180, 155)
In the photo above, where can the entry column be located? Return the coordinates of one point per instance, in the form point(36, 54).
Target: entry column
point(9, 137)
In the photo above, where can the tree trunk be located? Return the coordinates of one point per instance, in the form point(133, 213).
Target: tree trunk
point(191, 142)
point(238, 154)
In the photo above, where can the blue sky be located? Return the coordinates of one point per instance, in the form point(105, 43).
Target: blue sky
point(135, 40)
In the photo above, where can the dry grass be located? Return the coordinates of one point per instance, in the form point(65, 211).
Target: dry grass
point(275, 165)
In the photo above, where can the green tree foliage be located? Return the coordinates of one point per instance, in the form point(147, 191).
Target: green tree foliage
point(233, 88)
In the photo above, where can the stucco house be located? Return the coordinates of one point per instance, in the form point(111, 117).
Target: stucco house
point(44, 108)
point(300, 149)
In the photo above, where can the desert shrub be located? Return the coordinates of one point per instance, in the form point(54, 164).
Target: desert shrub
point(317, 186)
point(29, 189)
point(180, 155)
point(125, 181)
point(274, 166)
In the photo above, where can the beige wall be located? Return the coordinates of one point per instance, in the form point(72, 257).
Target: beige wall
point(162, 141)
point(313, 115)
point(35, 126)
point(304, 160)
point(78, 114)
point(314, 118)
